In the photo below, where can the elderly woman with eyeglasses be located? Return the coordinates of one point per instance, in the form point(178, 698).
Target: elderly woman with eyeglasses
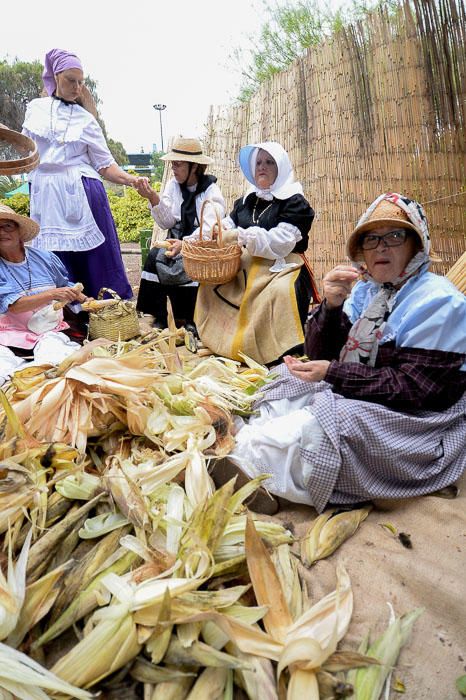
point(378, 409)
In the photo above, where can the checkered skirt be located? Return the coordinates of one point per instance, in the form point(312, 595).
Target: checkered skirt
point(370, 451)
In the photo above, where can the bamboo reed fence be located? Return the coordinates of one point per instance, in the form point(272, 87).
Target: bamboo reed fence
point(381, 106)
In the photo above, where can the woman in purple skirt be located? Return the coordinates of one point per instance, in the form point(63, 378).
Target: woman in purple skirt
point(67, 196)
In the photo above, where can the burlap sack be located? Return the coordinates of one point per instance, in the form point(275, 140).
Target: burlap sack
point(432, 575)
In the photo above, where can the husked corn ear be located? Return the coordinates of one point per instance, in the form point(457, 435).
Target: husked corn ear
point(327, 533)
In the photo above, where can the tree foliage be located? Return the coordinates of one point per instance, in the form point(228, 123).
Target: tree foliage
point(289, 30)
point(19, 203)
point(20, 82)
point(118, 151)
point(158, 164)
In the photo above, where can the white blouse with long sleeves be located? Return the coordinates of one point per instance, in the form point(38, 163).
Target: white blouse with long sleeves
point(274, 244)
point(71, 145)
point(168, 212)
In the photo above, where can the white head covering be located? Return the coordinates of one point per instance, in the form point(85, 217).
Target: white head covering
point(285, 184)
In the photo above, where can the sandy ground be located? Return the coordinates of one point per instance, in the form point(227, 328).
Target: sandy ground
point(131, 253)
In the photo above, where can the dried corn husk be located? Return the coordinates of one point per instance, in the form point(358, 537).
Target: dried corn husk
point(368, 682)
point(327, 533)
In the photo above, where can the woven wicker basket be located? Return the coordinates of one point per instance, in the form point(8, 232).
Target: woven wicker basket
point(210, 262)
point(118, 322)
point(23, 145)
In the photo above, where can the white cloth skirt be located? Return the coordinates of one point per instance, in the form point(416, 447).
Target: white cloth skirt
point(271, 443)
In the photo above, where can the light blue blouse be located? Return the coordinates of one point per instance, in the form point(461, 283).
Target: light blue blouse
point(429, 312)
point(47, 271)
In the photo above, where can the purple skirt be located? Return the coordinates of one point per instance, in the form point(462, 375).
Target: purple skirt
point(102, 266)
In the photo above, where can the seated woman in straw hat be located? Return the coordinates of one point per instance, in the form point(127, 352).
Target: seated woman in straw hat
point(378, 410)
point(262, 311)
point(30, 281)
point(177, 210)
point(68, 199)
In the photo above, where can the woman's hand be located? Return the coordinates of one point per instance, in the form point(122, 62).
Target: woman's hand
point(142, 186)
point(337, 284)
point(67, 294)
point(311, 371)
point(175, 247)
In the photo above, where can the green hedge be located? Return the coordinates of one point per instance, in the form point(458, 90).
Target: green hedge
point(19, 202)
point(131, 213)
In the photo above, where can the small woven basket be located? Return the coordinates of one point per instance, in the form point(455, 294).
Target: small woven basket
point(208, 261)
point(14, 142)
point(117, 322)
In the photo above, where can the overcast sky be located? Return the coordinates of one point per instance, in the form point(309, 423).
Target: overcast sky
point(143, 52)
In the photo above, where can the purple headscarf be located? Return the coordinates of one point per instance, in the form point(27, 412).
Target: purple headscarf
point(56, 61)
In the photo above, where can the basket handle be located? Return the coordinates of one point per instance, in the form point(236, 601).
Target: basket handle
point(219, 223)
point(109, 291)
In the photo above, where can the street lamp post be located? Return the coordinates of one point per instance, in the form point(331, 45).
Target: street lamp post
point(160, 109)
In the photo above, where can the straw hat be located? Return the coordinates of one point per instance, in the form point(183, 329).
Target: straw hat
point(385, 214)
point(189, 150)
point(28, 229)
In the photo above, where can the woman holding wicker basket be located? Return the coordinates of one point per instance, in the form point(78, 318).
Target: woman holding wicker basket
point(178, 211)
point(68, 199)
point(261, 312)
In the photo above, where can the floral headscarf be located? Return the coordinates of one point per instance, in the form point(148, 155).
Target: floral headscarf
point(365, 334)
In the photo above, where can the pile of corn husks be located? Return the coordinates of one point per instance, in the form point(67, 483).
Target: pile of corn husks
point(126, 573)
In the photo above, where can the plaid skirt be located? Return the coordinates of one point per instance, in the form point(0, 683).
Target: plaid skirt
point(369, 451)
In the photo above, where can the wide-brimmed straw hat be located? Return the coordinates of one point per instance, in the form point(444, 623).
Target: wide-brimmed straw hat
point(189, 150)
point(385, 214)
point(28, 229)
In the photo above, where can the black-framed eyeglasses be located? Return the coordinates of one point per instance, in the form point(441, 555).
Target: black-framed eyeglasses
point(370, 241)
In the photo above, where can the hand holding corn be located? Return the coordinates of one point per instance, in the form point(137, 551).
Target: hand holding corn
point(65, 295)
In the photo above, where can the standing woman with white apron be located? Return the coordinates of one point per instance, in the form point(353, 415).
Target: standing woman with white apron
point(68, 199)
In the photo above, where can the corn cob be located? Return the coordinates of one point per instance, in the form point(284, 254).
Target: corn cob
point(327, 533)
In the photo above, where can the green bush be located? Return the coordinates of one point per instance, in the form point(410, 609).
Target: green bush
point(131, 213)
point(19, 202)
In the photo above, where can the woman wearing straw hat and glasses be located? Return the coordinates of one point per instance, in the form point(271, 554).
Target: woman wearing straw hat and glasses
point(378, 411)
point(30, 280)
point(68, 199)
point(178, 211)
